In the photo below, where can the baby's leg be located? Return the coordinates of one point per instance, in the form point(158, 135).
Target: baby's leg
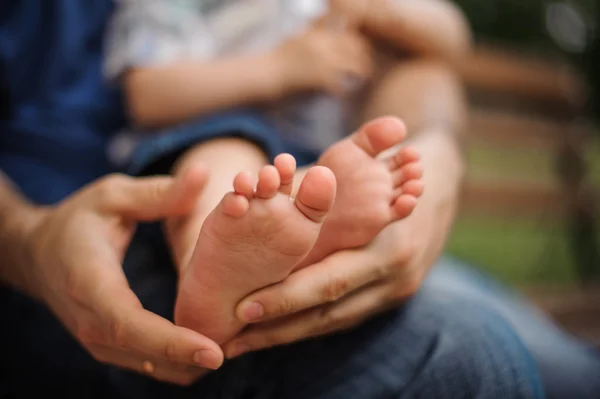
point(222, 159)
point(251, 240)
point(419, 27)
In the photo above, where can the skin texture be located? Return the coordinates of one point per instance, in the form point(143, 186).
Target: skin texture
point(252, 239)
point(235, 256)
point(341, 291)
point(69, 258)
point(171, 94)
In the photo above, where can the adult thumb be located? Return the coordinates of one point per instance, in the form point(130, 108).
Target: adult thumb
point(154, 198)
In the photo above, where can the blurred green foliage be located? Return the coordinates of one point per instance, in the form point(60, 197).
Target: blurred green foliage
point(519, 249)
point(537, 248)
point(522, 24)
point(519, 22)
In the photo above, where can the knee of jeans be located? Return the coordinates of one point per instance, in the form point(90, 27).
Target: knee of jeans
point(474, 352)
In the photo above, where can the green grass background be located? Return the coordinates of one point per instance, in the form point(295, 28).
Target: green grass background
point(519, 251)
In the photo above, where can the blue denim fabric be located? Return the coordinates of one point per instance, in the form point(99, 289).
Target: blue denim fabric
point(569, 367)
point(436, 346)
point(152, 146)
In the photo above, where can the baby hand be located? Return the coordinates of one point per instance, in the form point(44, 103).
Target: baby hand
point(324, 59)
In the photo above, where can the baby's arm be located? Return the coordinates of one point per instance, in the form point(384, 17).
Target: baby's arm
point(161, 53)
point(166, 83)
point(165, 95)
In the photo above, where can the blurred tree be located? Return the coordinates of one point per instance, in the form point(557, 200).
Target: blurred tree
point(516, 22)
point(591, 64)
point(529, 25)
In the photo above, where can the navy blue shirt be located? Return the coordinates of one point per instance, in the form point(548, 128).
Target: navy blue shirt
point(63, 112)
point(60, 110)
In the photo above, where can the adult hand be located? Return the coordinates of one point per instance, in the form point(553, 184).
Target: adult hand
point(76, 252)
point(343, 290)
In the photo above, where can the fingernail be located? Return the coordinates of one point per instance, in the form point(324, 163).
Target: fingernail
point(252, 312)
point(207, 359)
point(238, 350)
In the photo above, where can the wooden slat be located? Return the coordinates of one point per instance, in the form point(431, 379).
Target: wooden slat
point(556, 94)
point(511, 199)
point(505, 72)
point(523, 131)
point(515, 199)
point(576, 309)
point(506, 127)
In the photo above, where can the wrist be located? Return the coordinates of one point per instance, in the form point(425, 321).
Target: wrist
point(17, 239)
point(432, 220)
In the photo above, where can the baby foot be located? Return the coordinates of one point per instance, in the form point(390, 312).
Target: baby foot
point(254, 238)
point(372, 192)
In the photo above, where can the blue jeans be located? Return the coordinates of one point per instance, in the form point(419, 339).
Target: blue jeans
point(569, 368)
point(440, 344)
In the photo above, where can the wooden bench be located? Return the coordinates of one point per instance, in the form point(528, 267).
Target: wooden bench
point(524, 102)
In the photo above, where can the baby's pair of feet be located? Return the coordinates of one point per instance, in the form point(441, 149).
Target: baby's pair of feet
point(257, 235)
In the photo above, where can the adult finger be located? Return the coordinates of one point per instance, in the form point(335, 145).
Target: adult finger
point(347, 313)
point(322, 283)
point(150, 334)
point(131, 327)
point(159, 370)
point(150, 198)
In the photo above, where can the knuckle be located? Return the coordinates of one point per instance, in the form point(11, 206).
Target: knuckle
point(379, 271)
point(171, 350)
point(110, 186)
point(328, 322)
point(72, 286)
point(117, 331)
point(86, 335)
point(335, 288)
point(329, 318)
point(156, 191)
point(284, 306)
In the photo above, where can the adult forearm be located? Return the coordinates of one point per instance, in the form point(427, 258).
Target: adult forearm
point(18, 217)
point(431, 28)
point(444, 167)
point(434, 216)
point(166, 95)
